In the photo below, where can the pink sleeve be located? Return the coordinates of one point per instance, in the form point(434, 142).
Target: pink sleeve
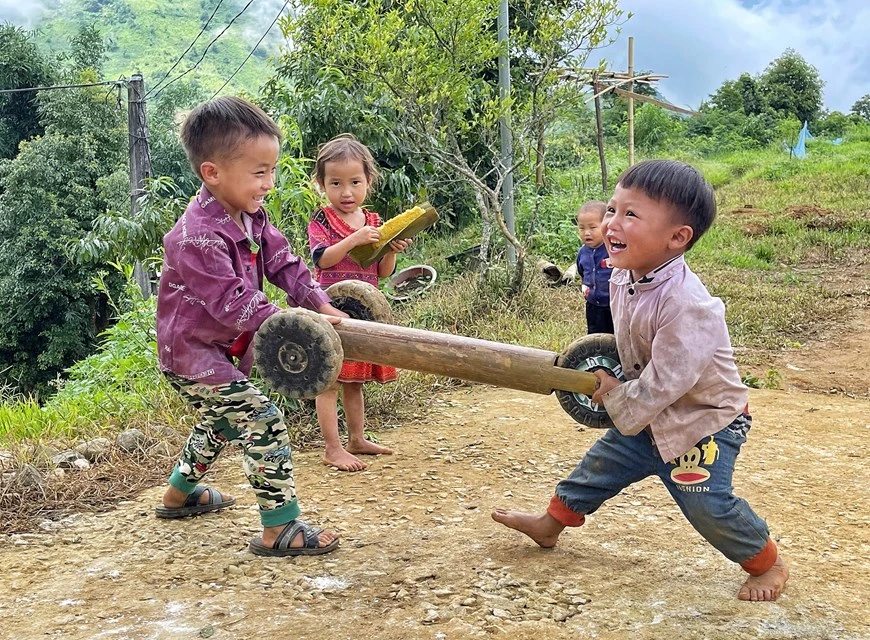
point(318, 236)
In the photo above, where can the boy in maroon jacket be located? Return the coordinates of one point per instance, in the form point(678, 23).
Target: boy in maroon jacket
point(211, 302)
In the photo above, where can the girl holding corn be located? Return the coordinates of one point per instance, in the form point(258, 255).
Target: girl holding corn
point(345, 171)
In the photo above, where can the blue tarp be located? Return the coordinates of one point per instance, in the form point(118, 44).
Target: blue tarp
point(800, 149)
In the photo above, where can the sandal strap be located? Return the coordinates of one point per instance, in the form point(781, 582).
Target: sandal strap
point(214, 496)
point(193, 498)
point(309, 532)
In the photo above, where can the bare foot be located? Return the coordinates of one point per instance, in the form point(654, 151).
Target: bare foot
point(343, 461)
point(543, 529)
point(768, 586)
point(367, 447)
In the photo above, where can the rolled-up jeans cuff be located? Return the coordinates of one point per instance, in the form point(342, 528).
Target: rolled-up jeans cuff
point(558, 510)
point(761, 562)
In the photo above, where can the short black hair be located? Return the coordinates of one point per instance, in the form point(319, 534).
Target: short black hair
point(597, 206)
point(678, 184)
point(214, 129)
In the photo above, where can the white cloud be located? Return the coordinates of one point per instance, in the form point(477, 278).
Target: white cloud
point(22, 14)
point(700, 44)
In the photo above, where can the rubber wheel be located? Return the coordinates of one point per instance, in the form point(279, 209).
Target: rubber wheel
point(589, 353)
point(361, 301)
point(298, 353)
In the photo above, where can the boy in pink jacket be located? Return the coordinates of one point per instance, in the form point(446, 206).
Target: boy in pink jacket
point(682, 413)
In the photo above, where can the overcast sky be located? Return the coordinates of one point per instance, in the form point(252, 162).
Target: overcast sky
point(701, 43)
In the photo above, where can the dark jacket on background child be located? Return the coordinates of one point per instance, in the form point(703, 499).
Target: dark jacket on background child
point(593, 267)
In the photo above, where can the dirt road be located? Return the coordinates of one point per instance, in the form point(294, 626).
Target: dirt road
point(421, 558)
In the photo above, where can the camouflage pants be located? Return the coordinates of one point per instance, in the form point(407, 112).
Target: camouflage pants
point(239, 413)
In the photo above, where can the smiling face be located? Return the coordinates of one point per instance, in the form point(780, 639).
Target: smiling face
point(641, 233)
point(241, 181)
point(589, 228)
point(346, 185)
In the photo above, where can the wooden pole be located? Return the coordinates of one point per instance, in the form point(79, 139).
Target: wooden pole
point(664, 105)
point(504, 125)
point(140, 163)
point(600, 129)
point(505, 365)
point(631, 102)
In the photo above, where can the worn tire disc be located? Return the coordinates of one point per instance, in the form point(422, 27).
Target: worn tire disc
point(589, 353)
point(361, 301)
point(298, 353)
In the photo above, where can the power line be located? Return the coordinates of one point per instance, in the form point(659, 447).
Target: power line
point(252, 50)
point(63, 86)
point(190, 46)
point(196, 64)
point(41, 290)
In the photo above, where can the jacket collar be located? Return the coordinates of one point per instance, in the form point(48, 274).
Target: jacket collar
point(652, 279)
point(213, 209)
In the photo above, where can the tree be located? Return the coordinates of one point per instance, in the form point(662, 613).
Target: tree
point(430, 64)
point(50, 195)
point(862, 107)
point(654, 126)
point(165, 116)
point(792, 86)
point(752, 101)
point(21, 66)
point(727, 97)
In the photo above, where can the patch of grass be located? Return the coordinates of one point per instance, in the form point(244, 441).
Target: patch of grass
point(770, 310)
point(835, 177)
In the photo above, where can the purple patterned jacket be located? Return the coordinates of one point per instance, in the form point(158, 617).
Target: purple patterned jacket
point(211, 289)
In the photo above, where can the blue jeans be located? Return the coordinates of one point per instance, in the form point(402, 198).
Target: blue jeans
point(699, 481)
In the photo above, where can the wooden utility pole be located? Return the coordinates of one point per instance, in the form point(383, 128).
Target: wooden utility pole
point(631, 102)
point(504, 122)
point(140, 163)
point(600, 129)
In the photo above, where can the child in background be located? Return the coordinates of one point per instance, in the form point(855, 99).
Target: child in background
point(682, 414)
point(593, 267)
point(345, 171)
point(210, 304)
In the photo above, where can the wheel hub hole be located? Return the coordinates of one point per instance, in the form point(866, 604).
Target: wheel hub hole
point(292, 358)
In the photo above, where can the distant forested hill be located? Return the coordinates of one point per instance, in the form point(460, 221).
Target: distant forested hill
point(149, 36)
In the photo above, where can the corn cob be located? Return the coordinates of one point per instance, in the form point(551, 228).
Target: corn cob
point(392, 226)
point(401, 227)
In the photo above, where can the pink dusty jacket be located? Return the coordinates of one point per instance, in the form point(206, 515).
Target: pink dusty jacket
point(674, 348)
point(211, 289)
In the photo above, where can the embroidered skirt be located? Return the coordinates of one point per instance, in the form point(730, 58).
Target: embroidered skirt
point(366, 372)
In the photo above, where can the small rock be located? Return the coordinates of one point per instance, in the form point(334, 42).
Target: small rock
point(131, 440)
point(70, 460)
point(163, 431)
point(7, 461)
point(94, 450)
point(43, 453)
point(163, 448)
point(430, 617)
point(560, 615)
point(27, 476)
